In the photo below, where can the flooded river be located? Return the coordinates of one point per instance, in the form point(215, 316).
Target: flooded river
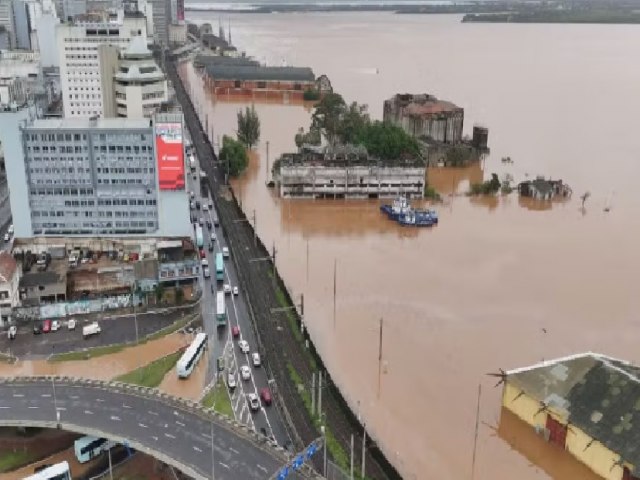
point(475, 293)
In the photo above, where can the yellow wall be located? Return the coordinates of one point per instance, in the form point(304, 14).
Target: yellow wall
point(524, 407)
point(597, 457)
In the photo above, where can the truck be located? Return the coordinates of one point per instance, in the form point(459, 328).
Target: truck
point(199, 237)
point(91, 329)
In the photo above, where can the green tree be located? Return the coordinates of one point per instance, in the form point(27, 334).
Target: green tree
point(312, 137)
point(234, 155)
point(387, 142)
point(248, 127)
point(327, 116)
point(354, 119)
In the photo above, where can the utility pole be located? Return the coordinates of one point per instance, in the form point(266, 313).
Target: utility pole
point(475, 437)
point(324, 448)
point(307, 260)
point(267, 172)
point(380, 358)
point(320, 391)
point(351, 474)
point(213, 462)
point(110, 466)
point(255, 227)
point(313, 394)
point(335, 266)
point(364, 442)
point(273, 256)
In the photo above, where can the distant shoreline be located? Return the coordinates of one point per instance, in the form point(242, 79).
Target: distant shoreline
point(615, 17)
point(476, 7)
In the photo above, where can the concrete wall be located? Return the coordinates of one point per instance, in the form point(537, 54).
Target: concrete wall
point(524, 407)
point(11, 138)
point(597, 457)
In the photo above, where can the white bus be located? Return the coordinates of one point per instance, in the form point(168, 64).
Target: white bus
point(59, 471)
point(191, 356)
point(87, 448)
point(221, 309)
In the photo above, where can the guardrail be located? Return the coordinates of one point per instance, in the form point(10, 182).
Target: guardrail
point(188, 406)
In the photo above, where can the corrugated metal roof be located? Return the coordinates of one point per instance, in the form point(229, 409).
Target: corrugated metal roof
point(257, 73)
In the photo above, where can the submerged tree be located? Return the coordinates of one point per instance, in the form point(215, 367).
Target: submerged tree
point(248, 127)
point(327, 116)
point(234, 156)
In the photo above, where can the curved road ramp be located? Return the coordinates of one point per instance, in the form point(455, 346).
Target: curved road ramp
point(178, 432)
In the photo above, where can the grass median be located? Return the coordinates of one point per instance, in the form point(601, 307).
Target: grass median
point(151, 375)
point(88, 353)
point(218, 399)
point(11, 460)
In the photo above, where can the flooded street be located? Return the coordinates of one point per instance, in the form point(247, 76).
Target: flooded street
point(474, 293)
point(101, 368)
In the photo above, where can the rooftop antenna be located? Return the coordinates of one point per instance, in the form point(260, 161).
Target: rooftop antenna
point(229, 32)
point(220, 29)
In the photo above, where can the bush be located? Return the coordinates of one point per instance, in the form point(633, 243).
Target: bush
point(234, 156)
point(311, 95)
point(431, 193)
point(490, 187)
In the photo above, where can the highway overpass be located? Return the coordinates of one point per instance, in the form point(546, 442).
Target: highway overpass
point(175, 431)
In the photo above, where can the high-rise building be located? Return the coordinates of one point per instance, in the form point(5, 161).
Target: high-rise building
point(7, 21)
point(45, 31)
point(90, 177)
point(78, 52)
point(161, 20)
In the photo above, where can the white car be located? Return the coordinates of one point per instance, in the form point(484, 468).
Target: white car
point(231, 380)
point(71, 324)
point(205, 207)
point(213, 237)
point(201, 221)
point(255, 358)
point(227, 288)
point(244, 346)
point(245, 372)
point(192, 195)
point(235, 290)
point(205, 262)
point(225, 252)
point(10, 229)
point(55, 326)
point(192, 205)
point(254, 402)
point(13, 331)
point(6, 237)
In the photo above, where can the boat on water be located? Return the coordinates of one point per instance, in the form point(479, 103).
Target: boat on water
point(402, 212)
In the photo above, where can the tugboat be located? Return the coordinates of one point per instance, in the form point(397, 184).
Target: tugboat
point(417, 218)
point(399, 207)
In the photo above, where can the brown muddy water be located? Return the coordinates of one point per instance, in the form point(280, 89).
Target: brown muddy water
point(191, 387)
point(474, 293)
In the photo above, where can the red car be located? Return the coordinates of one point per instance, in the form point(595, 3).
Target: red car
point(235, 331)
point(202, 254)
point(265, 395)
point(46, 326)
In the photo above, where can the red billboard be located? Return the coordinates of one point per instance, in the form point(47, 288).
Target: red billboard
point(170, 155)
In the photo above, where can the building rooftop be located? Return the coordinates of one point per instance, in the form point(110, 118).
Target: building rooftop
point(211, 40)
point(423, 104)
point(8, 266)
point(207, 60)
point(598, 394)
point(83, 123)
point(258, 73)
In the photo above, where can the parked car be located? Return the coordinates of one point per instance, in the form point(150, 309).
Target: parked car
point(265, 395)
point(6, 237)
point(245, 372)
point(37, 329)
point(71, 324)
point(254, 403)
point(235, 290)
point(235, 331)
point(13, 331)
point(244, 346)
point(55, 326)
point(46, 326)
point(231, 380)
point(255, 358)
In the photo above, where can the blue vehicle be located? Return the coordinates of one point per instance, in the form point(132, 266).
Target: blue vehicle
point(402, 212)
point(417, 218)
point(219, 267)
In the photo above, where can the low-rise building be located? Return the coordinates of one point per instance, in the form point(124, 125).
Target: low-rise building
point(348, 172)
point(543, 189)
point(44, 286)
point(9, 286)
point(423, 115)
point(586, 405)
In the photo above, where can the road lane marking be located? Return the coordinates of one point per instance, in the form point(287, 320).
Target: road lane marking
point(234, 450)
point(208, 437)
point(155, 438)
point(99, 400)
point(4, 406)
point(116, 418)
point(180, 423)
point(197, 449)
point(142, 425)
point(169, 435)
point(75, 397)
point(46, 395)
point(262, 468)
point(62, 409)
point(31, 406)
point(88, 412)
point(224, 465)
point(153, 413)
point(126, 406)
point(18, 395)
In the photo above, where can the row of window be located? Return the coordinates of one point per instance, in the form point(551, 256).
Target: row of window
point(149, 96)
point(124, 170)
point(59, 170)
point(124, 148)
point(90, 214)
point(62, 191)
point(80, 56)
point(75, 226)
point(58, 137)
point(61, 149)
point(49, 181)
point(124, 201)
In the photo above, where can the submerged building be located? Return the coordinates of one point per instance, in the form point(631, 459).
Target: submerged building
point(348, 172)
point(587, 405)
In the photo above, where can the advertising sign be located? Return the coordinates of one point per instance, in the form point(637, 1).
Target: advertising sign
point(180, 10)
point(170, 156)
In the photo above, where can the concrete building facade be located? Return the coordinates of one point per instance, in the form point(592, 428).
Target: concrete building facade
point(584, 404)
point(9, 286)
point(79, 63)
point(424, 116)
point(7, 21)
point(97, 177)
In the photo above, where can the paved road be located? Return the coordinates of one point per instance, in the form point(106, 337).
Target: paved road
point(267, 419)
point(165, 428)
point(115, 329)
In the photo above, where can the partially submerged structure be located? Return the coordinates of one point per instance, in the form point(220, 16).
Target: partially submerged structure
point(587, 404)
point(543, 189)
point(347, 172)
point(438, 127)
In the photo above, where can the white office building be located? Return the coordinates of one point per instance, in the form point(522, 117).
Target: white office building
point(7, 21)
point(78, 44)
point(96, 177)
